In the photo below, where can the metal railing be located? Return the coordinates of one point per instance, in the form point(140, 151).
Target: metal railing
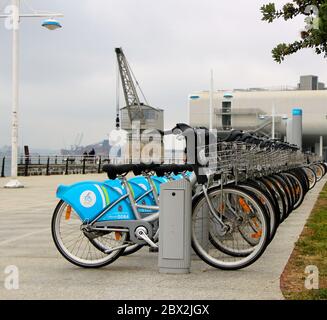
point(65, 164)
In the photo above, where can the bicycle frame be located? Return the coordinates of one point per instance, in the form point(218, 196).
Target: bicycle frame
point(129, 196)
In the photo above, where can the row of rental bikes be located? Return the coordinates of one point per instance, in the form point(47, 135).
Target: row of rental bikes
point(244, 188)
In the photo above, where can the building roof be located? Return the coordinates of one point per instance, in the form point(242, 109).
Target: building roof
point(263, 93)
point(145, 106)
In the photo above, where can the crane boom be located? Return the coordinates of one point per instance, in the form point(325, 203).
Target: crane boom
point(131, 97)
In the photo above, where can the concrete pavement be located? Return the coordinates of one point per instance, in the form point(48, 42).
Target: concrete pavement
point(25, 241)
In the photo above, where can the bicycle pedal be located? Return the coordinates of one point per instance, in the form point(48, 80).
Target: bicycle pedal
point(141, 233)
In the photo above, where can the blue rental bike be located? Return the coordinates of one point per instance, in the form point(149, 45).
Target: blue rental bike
point(95, 222)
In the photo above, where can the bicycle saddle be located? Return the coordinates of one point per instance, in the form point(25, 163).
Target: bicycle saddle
point(294, 147)
point(113, 170)
point(143, 167)
point(244, 137)
point(182, 127)
point(251, 139)
point(181, 168)
point(169, 168)
point(267, 143)
point(233, 136)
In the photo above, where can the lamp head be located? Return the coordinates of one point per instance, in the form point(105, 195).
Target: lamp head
point(51, 24)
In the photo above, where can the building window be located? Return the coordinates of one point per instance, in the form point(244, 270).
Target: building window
point(150, 115)
point(226, 115)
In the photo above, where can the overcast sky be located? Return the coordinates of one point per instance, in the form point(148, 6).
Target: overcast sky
point(68, 75)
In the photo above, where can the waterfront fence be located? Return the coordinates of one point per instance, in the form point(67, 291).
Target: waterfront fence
point(34, 165)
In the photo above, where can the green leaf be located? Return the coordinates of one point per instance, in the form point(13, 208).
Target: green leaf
point(313, 36)
point(268, 12)
point(289, 11)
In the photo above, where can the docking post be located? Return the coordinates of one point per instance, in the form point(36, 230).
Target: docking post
point(175, 227)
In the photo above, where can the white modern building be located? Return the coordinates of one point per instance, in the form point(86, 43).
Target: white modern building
point(252, 109)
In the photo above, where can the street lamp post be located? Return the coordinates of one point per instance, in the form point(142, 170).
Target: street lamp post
point(14, 18)
point(211, 100)
point(273, 116)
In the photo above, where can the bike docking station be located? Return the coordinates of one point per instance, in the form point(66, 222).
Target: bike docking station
point(218, 204)
point(175, 222)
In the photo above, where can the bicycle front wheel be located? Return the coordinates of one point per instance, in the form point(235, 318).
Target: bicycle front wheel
point(79, 248)
point(247, 233)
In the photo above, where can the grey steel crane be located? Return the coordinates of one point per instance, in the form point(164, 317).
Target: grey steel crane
point(137, 117)
point(129, 89)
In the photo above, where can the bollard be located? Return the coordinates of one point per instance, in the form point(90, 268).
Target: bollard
point(83, 169)
point(3, 167)
point(27, 162)
point(48, 165)
point(99, 166)
point(175, 227)
point(66, 169)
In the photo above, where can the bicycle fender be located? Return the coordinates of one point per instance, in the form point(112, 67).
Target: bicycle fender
point(89, 198)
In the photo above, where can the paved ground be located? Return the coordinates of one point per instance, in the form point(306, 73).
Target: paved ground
point(25, 241)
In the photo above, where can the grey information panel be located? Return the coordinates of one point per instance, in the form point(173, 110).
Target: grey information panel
point(175, 227)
